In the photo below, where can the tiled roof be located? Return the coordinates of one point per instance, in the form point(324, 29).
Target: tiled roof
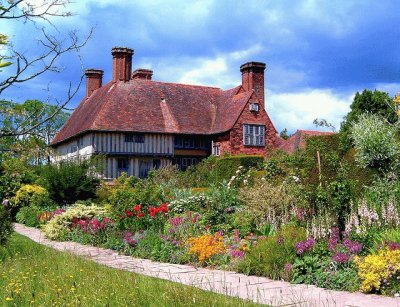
point(298, 140)
point(150, 106)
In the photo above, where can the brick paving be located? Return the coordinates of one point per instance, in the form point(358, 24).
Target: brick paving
point(257, 289)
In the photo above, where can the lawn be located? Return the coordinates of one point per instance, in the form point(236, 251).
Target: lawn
point(35, 275)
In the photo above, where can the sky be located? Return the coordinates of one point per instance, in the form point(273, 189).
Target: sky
point(318, 53)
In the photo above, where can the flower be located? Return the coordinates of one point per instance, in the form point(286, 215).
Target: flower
point(304, 246)
point(340, 257)
point(137, 208)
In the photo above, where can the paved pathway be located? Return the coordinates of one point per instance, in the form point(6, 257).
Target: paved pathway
point(258, 289)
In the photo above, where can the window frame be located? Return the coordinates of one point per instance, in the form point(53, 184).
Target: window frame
point(254, 135)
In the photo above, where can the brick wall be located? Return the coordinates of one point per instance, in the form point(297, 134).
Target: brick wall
point(248, 117)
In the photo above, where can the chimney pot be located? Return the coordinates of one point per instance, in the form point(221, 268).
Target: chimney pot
point(142, 73)
point(253, 77)
point(94, 80)
point(122, 63)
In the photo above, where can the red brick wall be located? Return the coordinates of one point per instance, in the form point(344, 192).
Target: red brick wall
point(248, 117)
point(224, 143)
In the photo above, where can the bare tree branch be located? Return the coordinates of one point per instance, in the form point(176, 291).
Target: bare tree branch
point(27, 68)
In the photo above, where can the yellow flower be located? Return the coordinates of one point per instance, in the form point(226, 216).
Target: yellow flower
point(9, 299)
point(206, 246)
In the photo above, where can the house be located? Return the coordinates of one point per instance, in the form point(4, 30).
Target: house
point(138, 123)
point(298, 140)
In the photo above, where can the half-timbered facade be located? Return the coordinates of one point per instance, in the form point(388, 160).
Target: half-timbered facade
point(138, 124)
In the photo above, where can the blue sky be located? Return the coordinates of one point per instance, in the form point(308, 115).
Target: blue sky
point(318, 53)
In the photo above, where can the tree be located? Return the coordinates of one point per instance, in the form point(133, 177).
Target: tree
point(26, 68)
point(284, 134)
point(376, 102)
point(32, 146)
point(376, 142)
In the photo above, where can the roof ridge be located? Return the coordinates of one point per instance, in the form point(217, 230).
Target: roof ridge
point(190, 85)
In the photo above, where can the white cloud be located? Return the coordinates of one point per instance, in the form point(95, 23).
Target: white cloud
point(298, 110)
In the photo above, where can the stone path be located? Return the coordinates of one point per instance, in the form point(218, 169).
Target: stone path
point(257, 289)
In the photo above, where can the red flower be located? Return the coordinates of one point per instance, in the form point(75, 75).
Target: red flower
point(137, 208)
point(152, 211)
point(140, 215)
point(128, 213)
point(164, 207)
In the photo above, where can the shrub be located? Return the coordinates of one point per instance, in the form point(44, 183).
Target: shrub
point(215, 170)
point(272, 256)
point(59, 227)
point(191, 203)
point(70, 181)
point(5, 225)
point(31, 195)
point(270, 203)
point(29, 216)
point(376, 142)
point(378, 271)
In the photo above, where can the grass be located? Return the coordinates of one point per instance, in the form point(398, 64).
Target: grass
point(35, 275)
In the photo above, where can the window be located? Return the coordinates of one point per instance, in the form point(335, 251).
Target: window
point(137, 138)
point(254, 135)
point(123, 164)
point(74, 148)
point(216, 149)
point(129, 138)
point(254, 107)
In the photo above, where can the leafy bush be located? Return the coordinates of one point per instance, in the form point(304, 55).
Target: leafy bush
point(59, 227)
point(215, 170)
point(191, 203)
point(31, 195)
point(376, 142)
point(272, 256)
point(5, 225)
point(29, 216)
point(70, 181)
point(270, 203)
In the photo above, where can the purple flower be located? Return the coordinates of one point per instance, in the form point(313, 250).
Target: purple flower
point(304, 246)
point(333, 239)
point(280, 240)
point(392, 245)
point(353, 246)
point(129, 239)
point(340, 257)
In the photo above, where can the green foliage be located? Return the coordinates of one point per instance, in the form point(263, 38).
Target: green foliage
point(70, 181)
point(376, 103)
point(284, 134)
point(196, 202)
point(5, 225)
point(376, 142)
point(29, 216)
point(14, 172)
point(270, 203)
point(214, 170)
point(223, 202)
point(322, 272)
point(270, 255)
point(58, 227)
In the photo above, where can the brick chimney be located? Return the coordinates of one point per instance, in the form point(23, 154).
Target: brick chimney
point(142, 73)
point(122, 63)
point(253, 77)
point(94, 79)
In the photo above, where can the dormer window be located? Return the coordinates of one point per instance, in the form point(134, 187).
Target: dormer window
point(254, 107)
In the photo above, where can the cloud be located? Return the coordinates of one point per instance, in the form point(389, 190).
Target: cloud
point(298, 110)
